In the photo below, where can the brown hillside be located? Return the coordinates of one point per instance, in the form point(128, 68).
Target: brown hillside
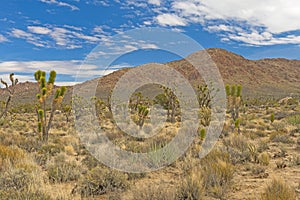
point(267, 77)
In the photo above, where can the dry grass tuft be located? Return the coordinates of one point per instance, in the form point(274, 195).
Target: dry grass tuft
point(278, 190)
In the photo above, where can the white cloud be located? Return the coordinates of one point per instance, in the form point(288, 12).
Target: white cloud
point(62, 67)
point(73, 27)
point(69, 37)
point(30, 38)
point(170, 20)
point(69, 68)
point(223, 27)
point(252, 22)
point(154, 2)
point(20, 33)
point(60, 3)
point(39, 30)
point(104, 3)
point(275, 15)
point(3, 38)
point(148, 23)
point(262, 39)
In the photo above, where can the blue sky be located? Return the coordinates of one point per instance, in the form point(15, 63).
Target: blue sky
point(60, 34)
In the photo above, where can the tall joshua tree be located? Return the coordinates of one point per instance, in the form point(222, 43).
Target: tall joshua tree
point(10, 91)
point(46, 89)
point(234, 95)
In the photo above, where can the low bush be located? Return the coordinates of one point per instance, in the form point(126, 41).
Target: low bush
point(151, 192)
point(11, 154)
point(51, 149)
point(191, 187)
point(281, 137)
point(264, 158)
point(278, 189)
point(17, 195)
point(60, 170)
point(99, 181)
point(217, 172)
point(293, 119)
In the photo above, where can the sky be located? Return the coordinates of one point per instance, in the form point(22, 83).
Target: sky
point(63, 34)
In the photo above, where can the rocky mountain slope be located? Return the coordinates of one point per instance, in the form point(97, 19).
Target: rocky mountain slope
point(266, 77)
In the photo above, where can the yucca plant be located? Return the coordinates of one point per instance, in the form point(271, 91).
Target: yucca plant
point(143, 112)
point(10, 91)
point(172, 103)
point(46, 89)
point(234, 96)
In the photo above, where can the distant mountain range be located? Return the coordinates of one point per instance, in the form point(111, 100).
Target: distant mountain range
point(276, 77)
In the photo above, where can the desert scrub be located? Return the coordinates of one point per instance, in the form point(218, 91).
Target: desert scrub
point(217, 172)
point(279, 126)
point(191, 187)
point(51, 149)
point(262, 146)
point(278, 189)
point(256, 170)
point(11, 154)
point(280, 137)
point(293, 119)
point(30, 144)
point(99, 181)
point(59, 170)
point(237, 148)
point(151, 192)
point(298, 144)
point(90, 161)
point(264, 158)
point(22, 182)
point(17, 195)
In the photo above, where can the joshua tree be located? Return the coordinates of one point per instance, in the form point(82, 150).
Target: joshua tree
point(234, 94)
point(67, 111)
point(136, 101)
point(10, 91)
point(169, 101)
point(46, 89)
point(205, 95)
point(143, 112)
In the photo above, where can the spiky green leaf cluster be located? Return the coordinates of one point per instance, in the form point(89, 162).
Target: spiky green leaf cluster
point(143, 110)
point(233, 90)
point(237, 123)
point(41, 113)
point(40, 127)
point(52, 77)
point(202, 134)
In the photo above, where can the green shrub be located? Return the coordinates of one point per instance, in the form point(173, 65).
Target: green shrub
point(293, 119)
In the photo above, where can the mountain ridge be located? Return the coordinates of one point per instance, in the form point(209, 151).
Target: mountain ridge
point(277, 77)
